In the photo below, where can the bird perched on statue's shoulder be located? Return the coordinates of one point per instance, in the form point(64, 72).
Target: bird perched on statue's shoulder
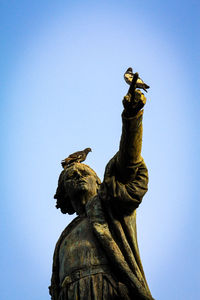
point(128, 76)
point(78, 156)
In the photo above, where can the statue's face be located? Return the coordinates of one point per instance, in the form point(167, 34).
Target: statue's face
point(80, 185)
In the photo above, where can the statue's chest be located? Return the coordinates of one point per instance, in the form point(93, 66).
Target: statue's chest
point(80, 249)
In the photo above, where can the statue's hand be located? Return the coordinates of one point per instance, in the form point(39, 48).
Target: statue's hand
point(134, 100)
point(133, 105)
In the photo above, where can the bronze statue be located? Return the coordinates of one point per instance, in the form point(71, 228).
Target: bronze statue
point(97, 256)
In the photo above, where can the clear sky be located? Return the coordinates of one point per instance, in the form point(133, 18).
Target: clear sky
point(62, 65)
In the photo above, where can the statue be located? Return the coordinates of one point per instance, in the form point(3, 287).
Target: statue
point(97, 256)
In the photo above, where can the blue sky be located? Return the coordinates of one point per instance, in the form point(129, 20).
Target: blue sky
point(62, 65)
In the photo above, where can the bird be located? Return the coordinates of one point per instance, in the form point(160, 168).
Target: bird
point(128, 76)
point(78, 156)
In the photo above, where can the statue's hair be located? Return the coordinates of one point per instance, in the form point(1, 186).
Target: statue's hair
point(63, 199)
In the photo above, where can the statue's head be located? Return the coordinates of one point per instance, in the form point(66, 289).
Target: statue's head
point(77, 184)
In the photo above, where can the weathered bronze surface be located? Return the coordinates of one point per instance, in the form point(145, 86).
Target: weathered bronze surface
point(97, 256)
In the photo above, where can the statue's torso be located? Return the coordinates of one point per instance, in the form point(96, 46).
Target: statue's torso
point(80, 249)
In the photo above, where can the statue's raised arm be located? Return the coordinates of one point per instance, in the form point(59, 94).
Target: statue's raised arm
point(131, 138)
point(126, 175)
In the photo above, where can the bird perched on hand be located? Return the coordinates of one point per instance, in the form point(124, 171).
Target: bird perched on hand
point(128, 76)
point(78, 156)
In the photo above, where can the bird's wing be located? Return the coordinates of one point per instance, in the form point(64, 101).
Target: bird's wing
point(139, 80)
point(76, 155)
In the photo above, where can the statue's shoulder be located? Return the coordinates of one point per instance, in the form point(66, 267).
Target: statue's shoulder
point(68, 229)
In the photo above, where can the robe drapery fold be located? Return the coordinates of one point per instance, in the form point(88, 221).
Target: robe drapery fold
point(113, 216)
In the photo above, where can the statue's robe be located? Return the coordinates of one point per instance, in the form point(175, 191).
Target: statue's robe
point(112, 214)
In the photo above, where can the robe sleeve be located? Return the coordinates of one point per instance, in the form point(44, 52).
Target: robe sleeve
point(129, 155)
point(126, 175)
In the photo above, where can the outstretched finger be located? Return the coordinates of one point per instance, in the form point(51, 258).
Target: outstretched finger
point(133, 84)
